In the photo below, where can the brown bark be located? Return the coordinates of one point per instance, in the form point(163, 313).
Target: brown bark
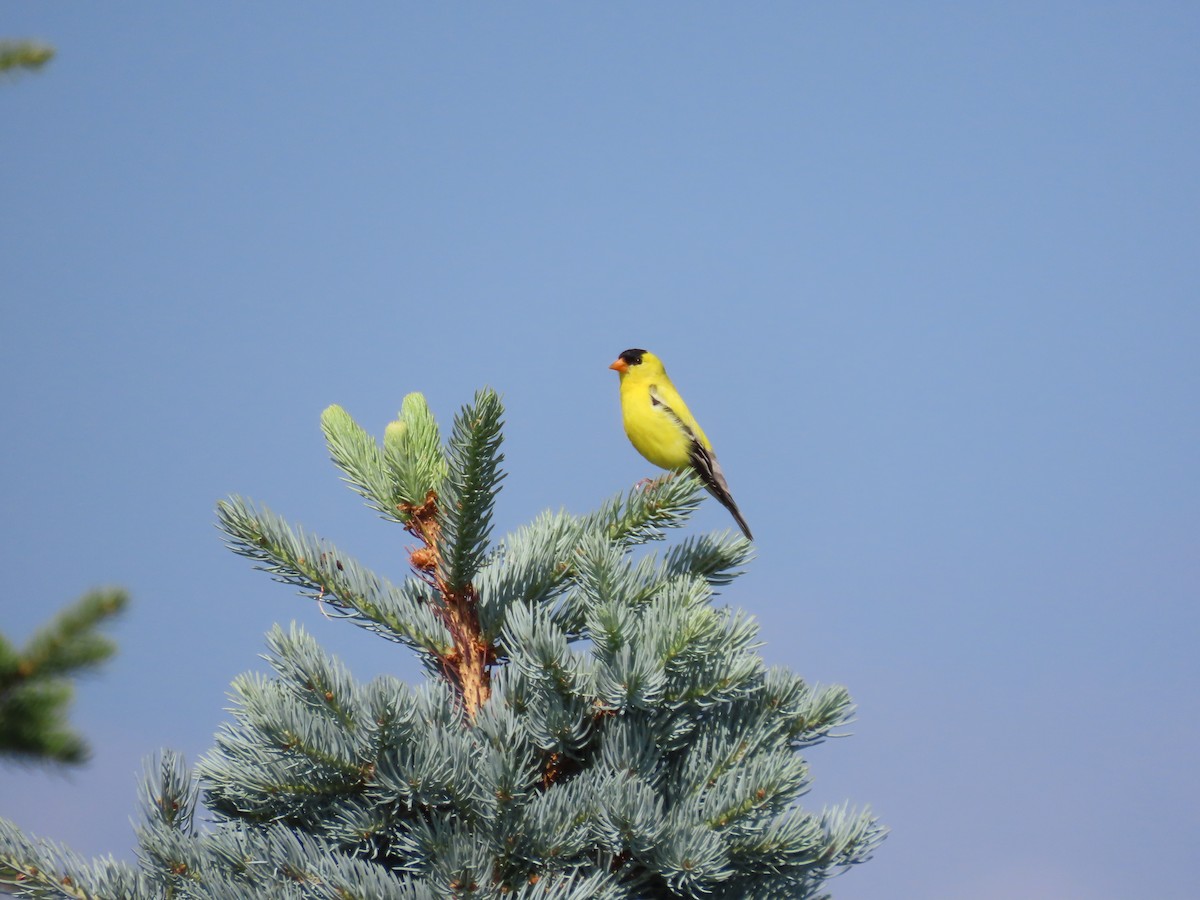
point(468, 662)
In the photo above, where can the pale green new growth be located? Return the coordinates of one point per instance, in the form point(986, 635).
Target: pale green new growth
point(360, 457)
point(412, 447)
point(592, 725)
point(398, 477)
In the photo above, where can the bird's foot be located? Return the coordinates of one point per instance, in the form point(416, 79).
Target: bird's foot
point(647, 483)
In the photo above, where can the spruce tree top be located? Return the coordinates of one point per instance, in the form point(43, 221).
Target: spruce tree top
point(592, 726)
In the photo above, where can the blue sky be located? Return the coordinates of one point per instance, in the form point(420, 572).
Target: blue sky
point(927, 274)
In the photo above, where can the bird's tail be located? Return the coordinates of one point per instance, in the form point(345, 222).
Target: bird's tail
point(727, 501)
point(704, 463)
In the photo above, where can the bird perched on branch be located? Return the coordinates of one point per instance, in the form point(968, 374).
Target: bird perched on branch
point(661, 428)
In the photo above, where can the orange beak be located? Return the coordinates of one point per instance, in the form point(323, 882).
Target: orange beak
point(620, 366)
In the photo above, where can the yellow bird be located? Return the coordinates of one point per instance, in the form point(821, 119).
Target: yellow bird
point(661, 428)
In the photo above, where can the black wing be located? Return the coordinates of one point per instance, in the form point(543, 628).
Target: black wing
point(704, 463)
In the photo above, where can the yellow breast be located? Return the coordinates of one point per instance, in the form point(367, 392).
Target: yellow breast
point(653, 432)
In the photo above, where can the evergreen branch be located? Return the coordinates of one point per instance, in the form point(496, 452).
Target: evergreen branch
point(276, 763)
point(679, 624)
point(310, 732)
point(33, 726)
point(469, 491)
point(743, 789)
point(358, 455)
point(628, 815)
point(807, 714)
point(35, 692)
point(283, 721)
point(695, 859)
point(574, 886)
point(288, 784)
point(277, 861)
point(440, 850)
point(166, 845)
point(508, 771)
point(624, 680)
point(27, 55)
point(851, 838)
point(41, 868)
point(536, 563)
point(390, 715)
point(412, 449)
point(643, 513)
point(552, 830)
point(555, 720)
point(632, 745)
point(435, 770)
point(530, 566)
point(455, 528)
point(595, 728)
point(792, 841)
point(608, 589)
point(740, 765)
point(320, 683)
point(712, 665)
point(69, 644)
point(322, 572)
point(168, 792)
point(717, 558)
point(535, 644)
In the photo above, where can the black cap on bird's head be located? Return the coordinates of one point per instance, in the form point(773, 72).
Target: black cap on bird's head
point(632, 357)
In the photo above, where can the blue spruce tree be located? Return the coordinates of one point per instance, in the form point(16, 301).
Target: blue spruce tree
point(592, 725)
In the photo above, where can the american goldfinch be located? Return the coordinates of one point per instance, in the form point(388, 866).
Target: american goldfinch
point(661, 428)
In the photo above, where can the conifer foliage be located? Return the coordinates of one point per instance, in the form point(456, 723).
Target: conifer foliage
point(36, 686)
point(23, 55)
point(592, 726)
